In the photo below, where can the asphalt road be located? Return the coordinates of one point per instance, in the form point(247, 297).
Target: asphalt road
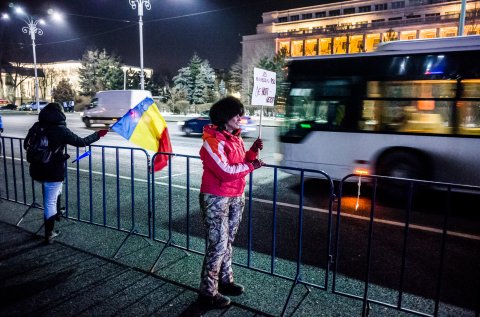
point(115, 195)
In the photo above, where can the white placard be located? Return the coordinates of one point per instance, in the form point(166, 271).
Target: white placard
point(264, 87)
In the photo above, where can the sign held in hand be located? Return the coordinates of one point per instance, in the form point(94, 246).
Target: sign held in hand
point(264, 87)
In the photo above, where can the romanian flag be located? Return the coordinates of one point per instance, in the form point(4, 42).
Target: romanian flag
point(144, 126)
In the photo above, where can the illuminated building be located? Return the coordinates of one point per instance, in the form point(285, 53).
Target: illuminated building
point(352, 27)
point(50, 74)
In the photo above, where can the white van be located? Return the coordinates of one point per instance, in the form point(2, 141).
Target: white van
point(109, 106)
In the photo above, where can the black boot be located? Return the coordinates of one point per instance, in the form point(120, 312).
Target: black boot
point(231, 289)
point(50, 234)
point(60, 209)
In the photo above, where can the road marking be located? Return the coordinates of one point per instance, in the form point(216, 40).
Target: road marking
point(388, 222)
point(173, 175)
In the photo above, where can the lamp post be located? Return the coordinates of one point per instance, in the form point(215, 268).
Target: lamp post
point(139, 4)
point(32, 29)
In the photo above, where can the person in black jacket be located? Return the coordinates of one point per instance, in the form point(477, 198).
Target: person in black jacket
point(52, 173)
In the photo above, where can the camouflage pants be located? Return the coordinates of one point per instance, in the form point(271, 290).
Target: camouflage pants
point(222, 216)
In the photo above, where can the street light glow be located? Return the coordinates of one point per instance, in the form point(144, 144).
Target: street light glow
point(5, 16)
point(19, 10)
point(56, 16)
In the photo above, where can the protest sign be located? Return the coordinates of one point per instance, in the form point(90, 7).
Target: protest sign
point(264, 87)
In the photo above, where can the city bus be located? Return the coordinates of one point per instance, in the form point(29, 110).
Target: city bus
point(411, 109)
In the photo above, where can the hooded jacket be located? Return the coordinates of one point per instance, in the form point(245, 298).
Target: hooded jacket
point(225, 162)
point(53, 120)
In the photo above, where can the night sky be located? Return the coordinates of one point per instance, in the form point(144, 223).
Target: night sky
point(173, 30)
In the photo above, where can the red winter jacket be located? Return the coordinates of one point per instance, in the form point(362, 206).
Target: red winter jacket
point(225, 162)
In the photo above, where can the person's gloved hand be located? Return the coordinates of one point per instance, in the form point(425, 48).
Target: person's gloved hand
point(257, 163)
point(257, 145)
point(1, 130)
point(101, 133)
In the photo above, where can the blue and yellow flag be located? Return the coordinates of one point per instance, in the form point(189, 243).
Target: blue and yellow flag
point(144, 126)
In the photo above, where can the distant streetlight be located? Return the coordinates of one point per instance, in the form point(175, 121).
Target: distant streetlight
point(148, 6)
point(32, 29)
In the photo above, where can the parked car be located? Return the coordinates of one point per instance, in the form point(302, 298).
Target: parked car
point(9, 106)
point(4, 102)
point(25, 107)
point(41, 104)
point(195, 125)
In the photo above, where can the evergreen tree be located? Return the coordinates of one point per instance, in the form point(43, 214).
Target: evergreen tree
point(195, 67)
point(63, 92)
point(133, 79)
point(221, 88)
point(99, 71)
point(197, 80)
point(204, 84)
point(184, 81)
point(234, 81)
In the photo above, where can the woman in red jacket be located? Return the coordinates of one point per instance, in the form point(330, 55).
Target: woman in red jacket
point(222, 198)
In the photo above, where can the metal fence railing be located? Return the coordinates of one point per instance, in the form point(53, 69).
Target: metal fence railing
point(380, 241)
point(418, 258)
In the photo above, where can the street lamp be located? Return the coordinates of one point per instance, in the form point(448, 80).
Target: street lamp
point(32, 29)
point(148, 6)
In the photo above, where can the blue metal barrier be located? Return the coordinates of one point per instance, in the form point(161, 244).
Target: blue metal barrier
point(429, 262)
point(195, 243)
point(114, 188)
point(82, 202)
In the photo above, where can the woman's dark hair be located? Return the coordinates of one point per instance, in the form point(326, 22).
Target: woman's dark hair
point(224, 110)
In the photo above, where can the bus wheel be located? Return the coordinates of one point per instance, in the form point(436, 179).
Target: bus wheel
point(402, 163)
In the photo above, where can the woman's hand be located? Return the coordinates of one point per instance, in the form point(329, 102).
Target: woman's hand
point(101, 133)
point(257, 145)
point(257, 163)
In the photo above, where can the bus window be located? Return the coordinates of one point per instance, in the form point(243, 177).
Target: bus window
point(436, 118)
point(327, 114)
point(406, 116)
point(301, 107)
point(330, 113)
point(469, 117)
point(412, 89)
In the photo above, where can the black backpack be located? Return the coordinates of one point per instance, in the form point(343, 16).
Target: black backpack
point(37, 147)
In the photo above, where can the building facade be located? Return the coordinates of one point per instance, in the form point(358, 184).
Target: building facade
point(353, 27)
point(49, 75)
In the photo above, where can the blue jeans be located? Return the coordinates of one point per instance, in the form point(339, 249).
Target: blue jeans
point(51, 190)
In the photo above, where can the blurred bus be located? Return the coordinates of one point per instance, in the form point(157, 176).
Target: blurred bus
point(411, 109)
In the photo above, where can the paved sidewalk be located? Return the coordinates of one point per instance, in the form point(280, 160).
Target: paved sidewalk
point(79, 275)
point(63, 280)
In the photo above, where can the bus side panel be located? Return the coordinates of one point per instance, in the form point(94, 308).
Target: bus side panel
point(454, 159)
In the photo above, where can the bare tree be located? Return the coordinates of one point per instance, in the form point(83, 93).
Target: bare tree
point(16, 74)
point(49, 80)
